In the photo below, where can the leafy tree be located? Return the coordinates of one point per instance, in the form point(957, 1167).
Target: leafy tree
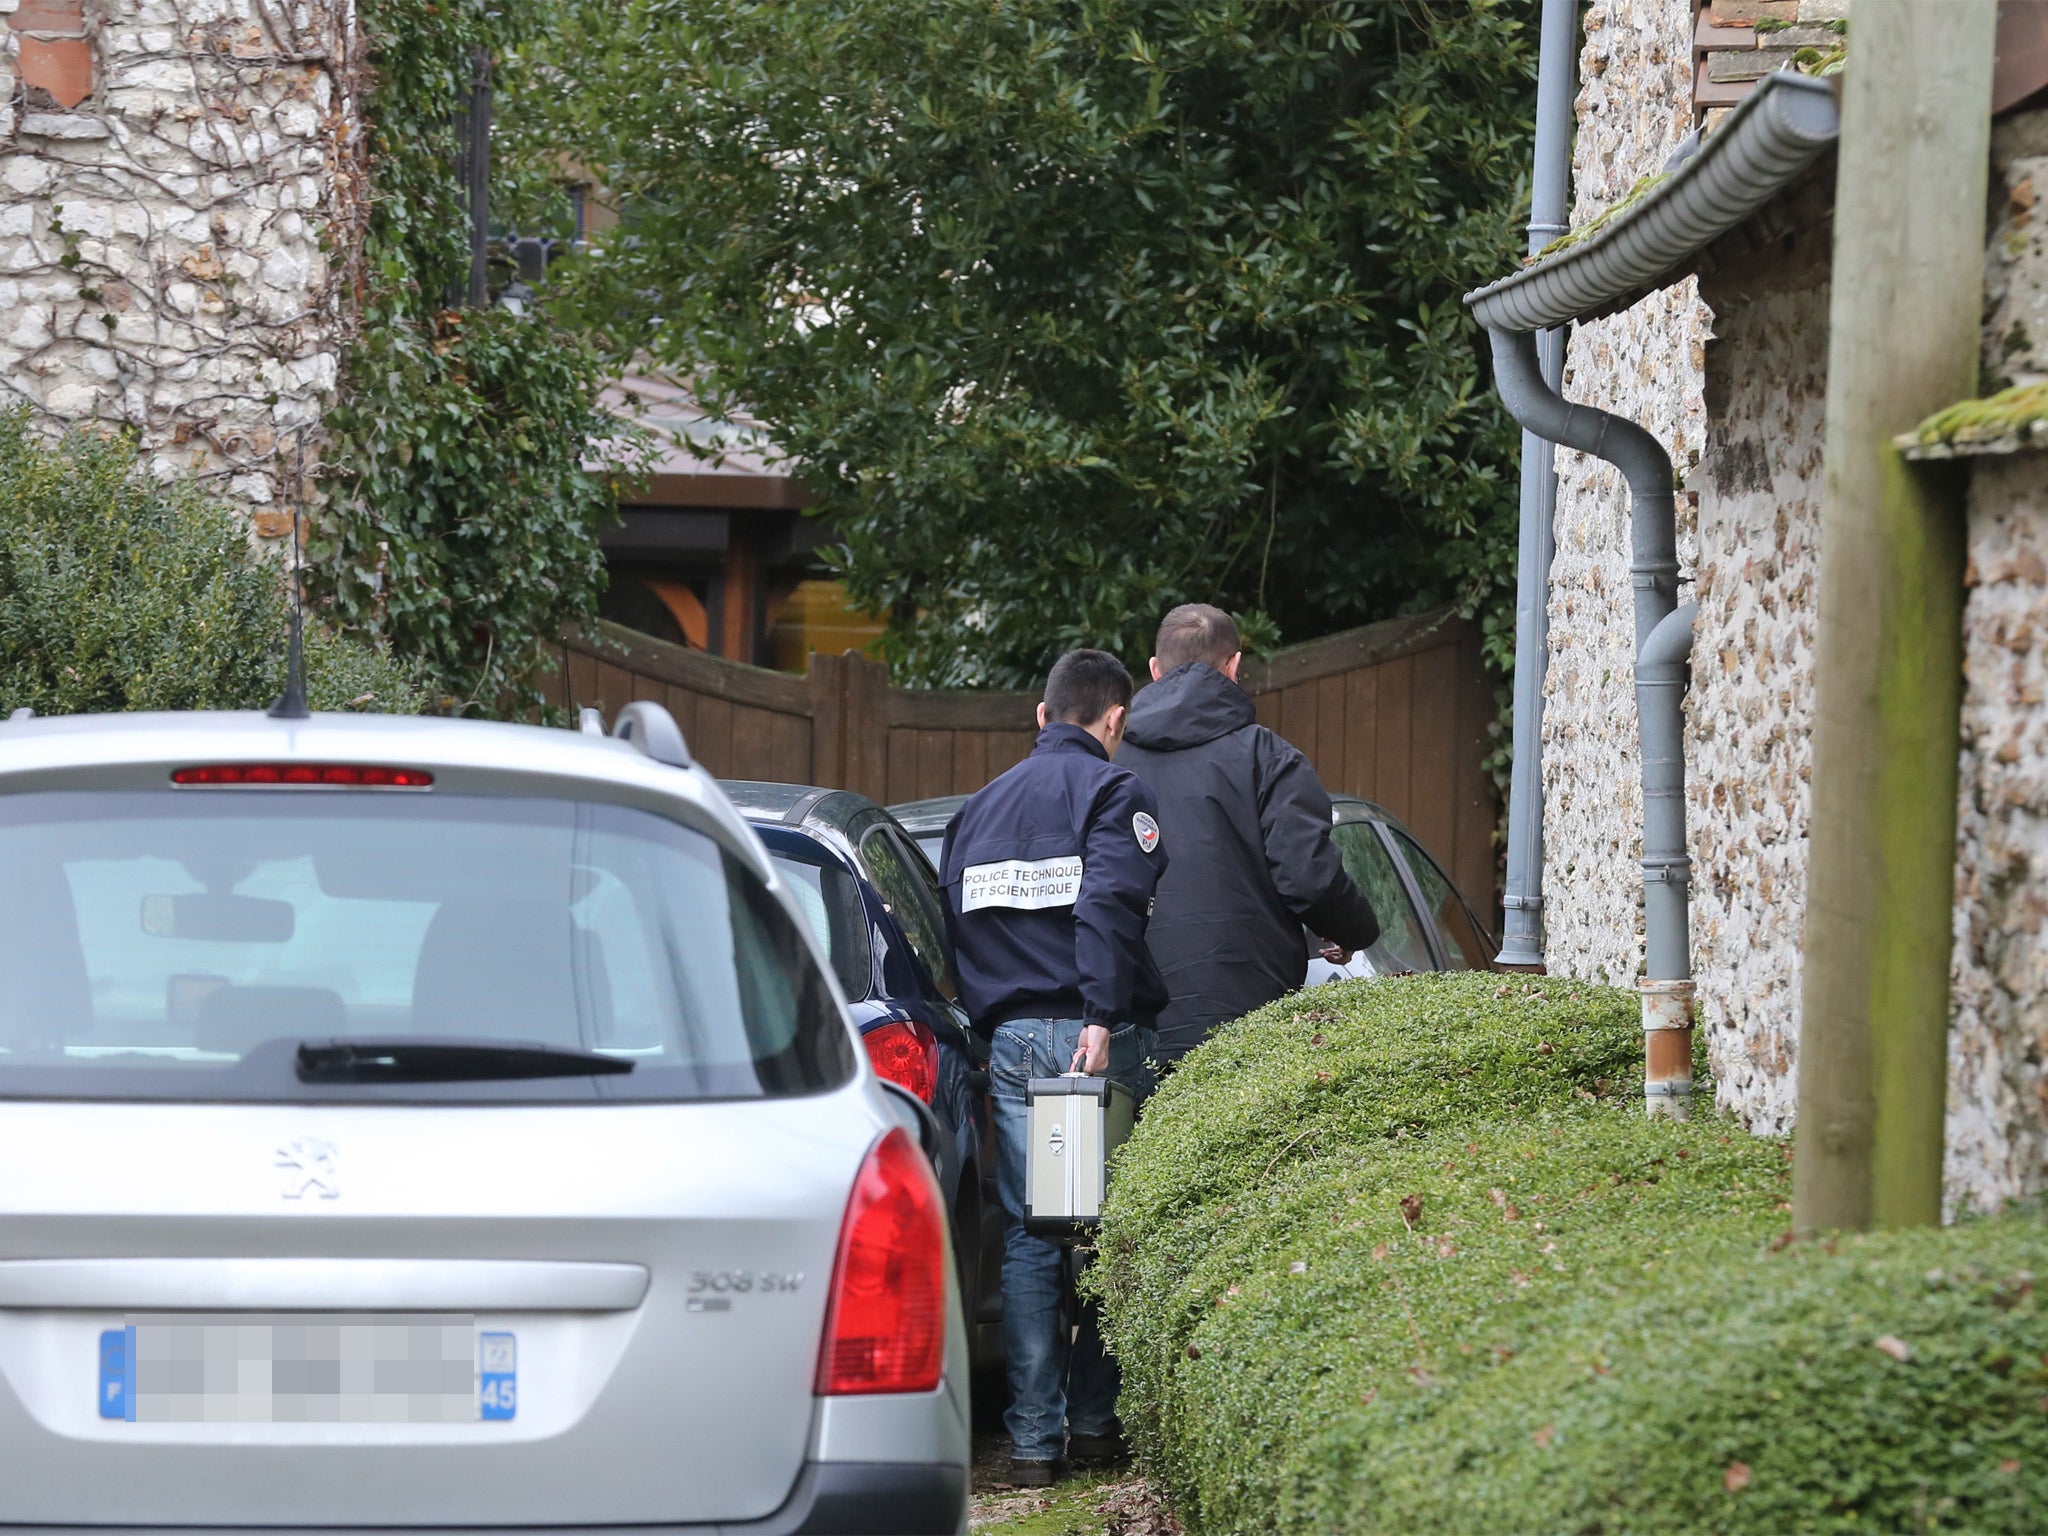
point(117, 592)
point(1074, 309)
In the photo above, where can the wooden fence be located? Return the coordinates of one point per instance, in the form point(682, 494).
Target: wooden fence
point(1396, 712)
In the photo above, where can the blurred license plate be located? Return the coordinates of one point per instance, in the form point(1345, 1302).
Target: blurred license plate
point(302, 1368)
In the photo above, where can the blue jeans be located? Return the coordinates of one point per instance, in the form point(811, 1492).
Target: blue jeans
point(1054, 1383)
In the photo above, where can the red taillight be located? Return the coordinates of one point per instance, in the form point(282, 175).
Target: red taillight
point(340, 775)
point(885, 1319)
point(907, 1054)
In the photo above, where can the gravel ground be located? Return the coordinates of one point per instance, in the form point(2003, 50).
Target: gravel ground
point(1117, 1503)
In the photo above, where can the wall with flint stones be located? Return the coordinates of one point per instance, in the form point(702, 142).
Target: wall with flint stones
point(177, 192)
point(1998, 1042)
point(1749, 709)
point(1731, 374)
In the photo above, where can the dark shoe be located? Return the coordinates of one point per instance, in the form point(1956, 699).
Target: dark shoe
point(1099, 1450)
point(1033, 1474)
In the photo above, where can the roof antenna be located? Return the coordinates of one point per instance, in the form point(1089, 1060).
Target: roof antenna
point(291, 704)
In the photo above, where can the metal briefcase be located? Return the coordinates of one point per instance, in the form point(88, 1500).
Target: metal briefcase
point(1075, 1121)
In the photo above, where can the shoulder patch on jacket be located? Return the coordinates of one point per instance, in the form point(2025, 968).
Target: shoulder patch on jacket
point(1147, 830)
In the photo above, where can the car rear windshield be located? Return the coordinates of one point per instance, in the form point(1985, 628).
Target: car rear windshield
point(181, 944)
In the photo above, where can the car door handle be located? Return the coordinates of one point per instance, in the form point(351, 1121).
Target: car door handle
point(322, 1285)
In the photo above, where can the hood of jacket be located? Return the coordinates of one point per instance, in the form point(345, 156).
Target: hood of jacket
point(1191, 705)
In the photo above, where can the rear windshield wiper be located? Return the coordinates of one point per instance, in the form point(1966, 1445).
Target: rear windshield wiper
point(445, 1061)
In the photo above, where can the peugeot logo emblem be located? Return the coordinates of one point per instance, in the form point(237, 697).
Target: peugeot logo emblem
point(309, 1170)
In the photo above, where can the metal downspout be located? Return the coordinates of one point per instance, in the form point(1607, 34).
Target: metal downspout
point(1660, 659)
point(1661, 672)
point(1550, 182)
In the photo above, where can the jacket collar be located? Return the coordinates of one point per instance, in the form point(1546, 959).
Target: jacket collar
point(1063, 737)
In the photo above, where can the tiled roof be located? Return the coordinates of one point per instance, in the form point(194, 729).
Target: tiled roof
point(702, 460)
point(1735, 43)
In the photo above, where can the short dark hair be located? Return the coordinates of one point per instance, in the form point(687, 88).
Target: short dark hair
point(1085, 686)
point(1196, 632)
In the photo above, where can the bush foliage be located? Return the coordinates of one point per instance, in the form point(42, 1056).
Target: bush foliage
point(1076, 309)
point(117, 592)
point(1405, 1256)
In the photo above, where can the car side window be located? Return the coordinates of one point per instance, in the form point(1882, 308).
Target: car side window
point(1464, 949)
point(910, 892)
point(831, 905)
point(1404, 941)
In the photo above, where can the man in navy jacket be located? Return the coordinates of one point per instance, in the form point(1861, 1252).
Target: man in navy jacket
point(1049, 873)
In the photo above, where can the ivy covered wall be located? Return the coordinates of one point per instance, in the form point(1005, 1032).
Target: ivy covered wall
point(173, 196)
point(460, 519)
point(231, 231)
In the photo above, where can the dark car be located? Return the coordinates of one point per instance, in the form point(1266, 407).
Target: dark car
point(925, 821)
point(873, 900)
point(1425, 923)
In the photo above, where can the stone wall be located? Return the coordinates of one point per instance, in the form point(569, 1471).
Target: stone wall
point(178, 197)
point(1738, 404)
point(1634, 108)
point(1749, 710)
point(1998, 1041)
point(1742, 414)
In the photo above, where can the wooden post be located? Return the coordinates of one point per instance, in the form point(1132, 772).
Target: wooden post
point(1903, 317)
point(865, 706)
point(827, 681)
point(738, 624)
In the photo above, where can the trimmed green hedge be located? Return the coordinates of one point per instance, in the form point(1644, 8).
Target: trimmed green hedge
point(118, 592)
point(1891, 1382)
point(1405, 1256)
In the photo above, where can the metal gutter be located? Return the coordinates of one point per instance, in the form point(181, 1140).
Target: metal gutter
point(1653, 504)
point(1778, 131)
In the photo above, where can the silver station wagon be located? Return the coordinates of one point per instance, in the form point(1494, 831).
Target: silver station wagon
point(419, 1124)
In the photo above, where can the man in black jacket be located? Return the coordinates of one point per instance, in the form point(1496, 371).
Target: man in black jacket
point(1249, 825)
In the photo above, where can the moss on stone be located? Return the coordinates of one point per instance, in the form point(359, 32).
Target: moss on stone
point(1821, 62)
point(1591, 227)
point(1769, 24)
point(2018, 416)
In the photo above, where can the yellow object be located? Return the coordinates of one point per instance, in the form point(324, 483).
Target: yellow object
point(816, 616)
